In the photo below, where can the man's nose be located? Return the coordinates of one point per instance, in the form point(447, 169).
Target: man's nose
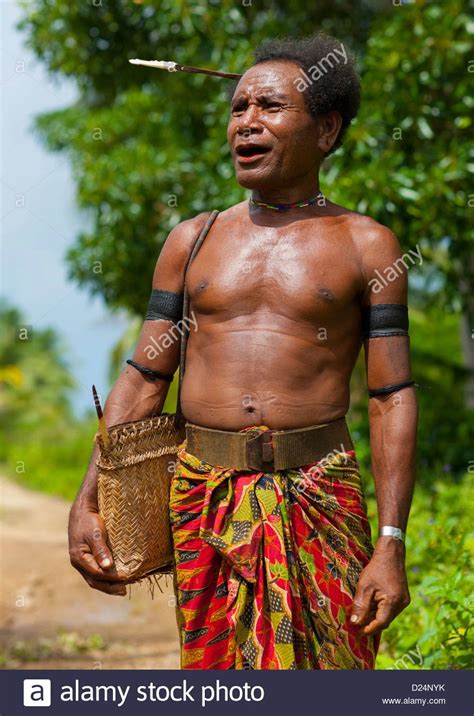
point(249, 121)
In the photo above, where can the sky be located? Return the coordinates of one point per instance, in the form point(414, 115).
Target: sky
point(40, 220)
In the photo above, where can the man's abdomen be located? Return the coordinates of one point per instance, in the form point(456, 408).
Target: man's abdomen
point(236, 378)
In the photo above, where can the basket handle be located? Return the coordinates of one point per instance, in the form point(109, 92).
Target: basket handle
point(184, 339)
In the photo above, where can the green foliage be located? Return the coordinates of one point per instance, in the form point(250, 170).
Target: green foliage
point(52, 459)
point(44, 446)
point(407, 160)
point(149, 149)
point(439, 621)
point(445, 435)
point(64, 645)
point(35, 381)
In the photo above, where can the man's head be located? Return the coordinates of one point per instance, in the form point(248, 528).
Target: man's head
point(291, 109)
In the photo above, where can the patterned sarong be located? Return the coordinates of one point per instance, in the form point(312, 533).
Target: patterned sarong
point(267, 565)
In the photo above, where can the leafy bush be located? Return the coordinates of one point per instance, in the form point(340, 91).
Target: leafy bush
point(438, 622)
point(52, 460)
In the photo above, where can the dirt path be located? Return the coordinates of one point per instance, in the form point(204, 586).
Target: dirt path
point(51, 619)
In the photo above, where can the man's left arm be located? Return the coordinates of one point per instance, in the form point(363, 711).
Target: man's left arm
point(382, 590)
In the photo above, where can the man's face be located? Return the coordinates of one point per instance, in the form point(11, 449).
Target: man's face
point(271, 134)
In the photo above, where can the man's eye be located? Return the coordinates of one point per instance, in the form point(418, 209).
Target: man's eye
point(238, 109)
point(274, 106)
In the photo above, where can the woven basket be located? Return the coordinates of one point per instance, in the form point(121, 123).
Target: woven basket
point(133, 479)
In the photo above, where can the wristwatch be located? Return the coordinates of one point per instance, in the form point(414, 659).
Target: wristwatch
point(388, 531)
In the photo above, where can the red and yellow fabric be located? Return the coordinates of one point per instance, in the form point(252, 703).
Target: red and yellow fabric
point(266, 565)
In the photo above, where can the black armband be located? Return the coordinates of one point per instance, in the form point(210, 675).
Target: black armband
point(390, 388)
point(149, 373)
point(165, 304)
point(384, 319)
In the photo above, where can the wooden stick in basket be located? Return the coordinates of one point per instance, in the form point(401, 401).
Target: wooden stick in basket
point(175, 67)
point(102, 424)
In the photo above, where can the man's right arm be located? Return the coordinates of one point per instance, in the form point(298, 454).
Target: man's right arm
point(134, 396)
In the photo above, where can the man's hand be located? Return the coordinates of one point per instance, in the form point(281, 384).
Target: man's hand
point(89, 553)
point(382, 591)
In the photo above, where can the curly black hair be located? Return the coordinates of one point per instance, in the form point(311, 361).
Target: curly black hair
point(332, 81)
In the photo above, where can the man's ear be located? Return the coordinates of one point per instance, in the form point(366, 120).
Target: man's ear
point(329, 126)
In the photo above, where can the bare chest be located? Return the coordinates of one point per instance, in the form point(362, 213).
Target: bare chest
point(302, 273)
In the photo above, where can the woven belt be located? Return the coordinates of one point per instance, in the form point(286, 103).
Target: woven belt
point(267, 450)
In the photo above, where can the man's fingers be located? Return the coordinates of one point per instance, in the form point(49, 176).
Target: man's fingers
point(385, 614)
point(362, 606)
point(87, 565)
point(90, 554)
point(101, 552)
point(118, 590)
point(84, 561)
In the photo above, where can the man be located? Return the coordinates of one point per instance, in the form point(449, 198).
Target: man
point(274, 564)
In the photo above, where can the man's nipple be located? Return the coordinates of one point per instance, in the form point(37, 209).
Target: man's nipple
point(204, 283)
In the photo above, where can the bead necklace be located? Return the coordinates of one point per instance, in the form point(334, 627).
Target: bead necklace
point(286, 207)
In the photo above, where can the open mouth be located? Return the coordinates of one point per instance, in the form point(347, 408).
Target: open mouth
point(250, 152)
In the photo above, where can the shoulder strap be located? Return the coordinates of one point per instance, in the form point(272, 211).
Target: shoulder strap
point(185, 328)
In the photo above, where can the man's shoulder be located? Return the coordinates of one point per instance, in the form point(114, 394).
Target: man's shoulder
point(363, 229)
point(188, 229)
point(176, 250)
point(184, 233)
point(180, 241)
